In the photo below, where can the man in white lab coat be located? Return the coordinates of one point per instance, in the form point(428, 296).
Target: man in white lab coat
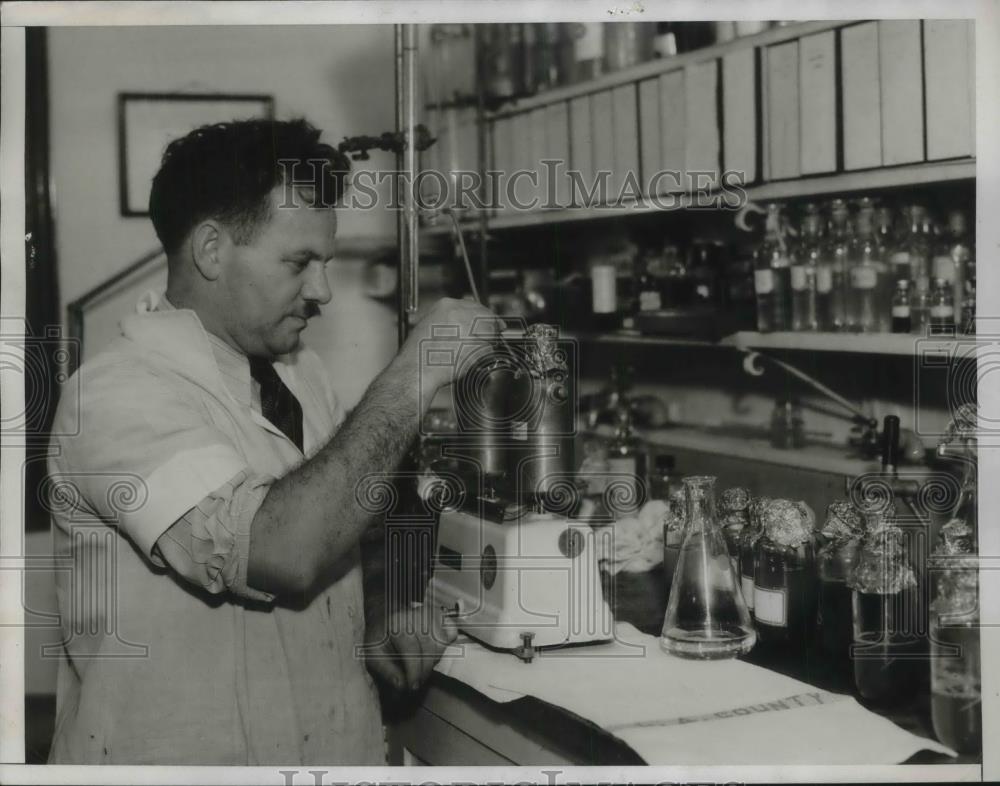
point(208, 503)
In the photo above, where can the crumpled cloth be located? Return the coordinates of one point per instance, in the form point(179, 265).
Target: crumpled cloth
point(636, 544)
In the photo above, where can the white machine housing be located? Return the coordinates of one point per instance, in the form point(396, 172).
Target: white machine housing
point(531, 579)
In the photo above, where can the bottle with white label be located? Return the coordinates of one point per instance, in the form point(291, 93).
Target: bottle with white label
point(901, 308)
point(785, 593)
point(942, 308)
point(871, 286)
point(772, 275)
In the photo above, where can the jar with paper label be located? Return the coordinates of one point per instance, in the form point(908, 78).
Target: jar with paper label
point(806, 275)
point(749, 538)
point(838, 251)
point(734, 512)
point(772, 275)
point(784, 590)
point(889, 653)
point(836, 559)
point(942, 308)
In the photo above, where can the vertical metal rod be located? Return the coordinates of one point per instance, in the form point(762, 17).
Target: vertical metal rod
point(407, 234)
point(413, 236)
point(403, 265)
point(482, 144)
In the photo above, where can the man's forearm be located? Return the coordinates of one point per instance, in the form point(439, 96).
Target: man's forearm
point(312, 517)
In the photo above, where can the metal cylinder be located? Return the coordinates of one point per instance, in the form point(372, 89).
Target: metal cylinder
point(515, 404)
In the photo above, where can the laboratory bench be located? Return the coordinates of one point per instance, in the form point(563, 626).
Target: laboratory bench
point(454, 725)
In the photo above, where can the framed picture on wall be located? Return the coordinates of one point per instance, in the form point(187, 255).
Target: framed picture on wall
point(148, 122)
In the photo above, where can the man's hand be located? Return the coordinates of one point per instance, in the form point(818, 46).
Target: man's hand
point(449, 332)
point(403, 652)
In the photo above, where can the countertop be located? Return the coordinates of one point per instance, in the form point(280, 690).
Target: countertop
point(455, 725)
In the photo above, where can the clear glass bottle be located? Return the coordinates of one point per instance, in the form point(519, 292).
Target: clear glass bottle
point(804, 273)
point(706, 617)
point(867, 280)
point(901, 322)
point(650, 287)
point(627, 458)
point(677, 285)
point(811, 276)
point(956, 669)
point(942, 308)
point(838, 252)
point(969, 304)
point(960, 251)
point(772, 275)
point(920, 307)
point(918, 243)
point(784, 588)
point(956, 676)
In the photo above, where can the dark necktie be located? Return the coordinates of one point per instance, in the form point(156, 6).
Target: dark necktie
point(277, 402)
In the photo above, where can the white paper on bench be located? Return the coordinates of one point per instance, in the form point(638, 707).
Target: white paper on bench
point(675, 711)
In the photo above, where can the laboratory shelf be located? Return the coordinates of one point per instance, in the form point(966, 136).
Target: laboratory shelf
point(959, 347)
point(854, 343)
point(843, 182)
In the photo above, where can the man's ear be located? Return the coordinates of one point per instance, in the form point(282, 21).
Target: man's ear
point(205, 242)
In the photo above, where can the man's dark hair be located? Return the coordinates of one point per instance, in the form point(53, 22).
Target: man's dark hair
point(227, 171)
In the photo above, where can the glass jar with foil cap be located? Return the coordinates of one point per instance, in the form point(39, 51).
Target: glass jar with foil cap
point(749, 538)
point(888, 652)
point(706, 617)
point(673, 534)
point(734, 504)
point(956, 665)
point(784, 590)
point(835, 562)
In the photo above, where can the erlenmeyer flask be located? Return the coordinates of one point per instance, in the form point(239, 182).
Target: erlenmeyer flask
point(706, 616)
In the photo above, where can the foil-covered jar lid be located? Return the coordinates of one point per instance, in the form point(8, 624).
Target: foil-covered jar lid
point(788, 523)
point(883, 567)
point(955, 537)
point(843, 521)
point(755, 511)
point(736, 498)
point(957, 592)
point(733, 521)
point(676, 513)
